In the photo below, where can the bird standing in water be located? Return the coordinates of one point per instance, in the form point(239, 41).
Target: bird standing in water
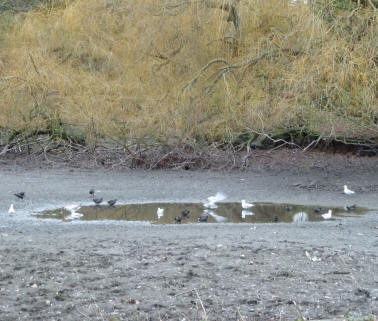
point(246, 205)
point(185, 213)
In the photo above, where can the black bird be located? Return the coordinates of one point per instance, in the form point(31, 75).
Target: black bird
point(178, 219)
point(91, 192)
point(275, 219)
point(317, 209)
point(351, 207)
point(98, 201)
point(112, 202)
point(203, 218)
point(288, 208)
point(20, 195)
point(185, 213)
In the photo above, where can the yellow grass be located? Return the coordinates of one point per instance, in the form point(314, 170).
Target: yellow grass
point(132, 69)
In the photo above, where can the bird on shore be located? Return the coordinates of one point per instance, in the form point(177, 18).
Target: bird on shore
point(328, 215)
point(160, 212)
point(178, 219)
point(20, 195)
point(275, 219)
point(185, 213)
point(246, 205)
point(347, 191)
point(317, 209)
point(211, 200)
point(98, 200)
point(11, 209)
point(351, 208)
point(91, 192)
point(112, 202)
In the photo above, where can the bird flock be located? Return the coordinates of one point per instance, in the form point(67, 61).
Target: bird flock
point(209, 206)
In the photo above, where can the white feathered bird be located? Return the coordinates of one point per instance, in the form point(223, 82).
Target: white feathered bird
point(211, 200)
point(160, 212)
point(11, 209)
point(328, 215)
point(74, 215)
point(245, 204)
point(347, 190)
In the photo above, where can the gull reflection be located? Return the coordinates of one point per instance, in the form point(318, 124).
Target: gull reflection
point(245, 213)
point(300, 217)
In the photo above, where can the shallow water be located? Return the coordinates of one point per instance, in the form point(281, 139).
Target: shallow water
point(225, 212)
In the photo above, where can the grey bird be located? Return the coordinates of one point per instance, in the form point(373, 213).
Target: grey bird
point(185, 213)
point(112, 202)
point(276, 219)
point(317, 209)
point(20, 195)
point(178, 219)
point(203, 218)
point(350, 208)
point(91, 192)
point(98, 200)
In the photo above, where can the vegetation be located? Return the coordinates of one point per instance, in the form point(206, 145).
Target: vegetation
point(202, 72)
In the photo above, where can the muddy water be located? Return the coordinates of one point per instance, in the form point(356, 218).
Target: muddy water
point(182, 213)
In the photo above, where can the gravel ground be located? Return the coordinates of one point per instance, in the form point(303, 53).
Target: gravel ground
point(52, 270)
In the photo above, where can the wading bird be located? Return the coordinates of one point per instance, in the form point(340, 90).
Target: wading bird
point(246, 205)
point(328, 215)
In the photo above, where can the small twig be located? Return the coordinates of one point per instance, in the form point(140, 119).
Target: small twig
point(34, 65)
point(203, 308)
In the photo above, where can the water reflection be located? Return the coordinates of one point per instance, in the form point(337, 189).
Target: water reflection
point(167, 213)
point(300, 217)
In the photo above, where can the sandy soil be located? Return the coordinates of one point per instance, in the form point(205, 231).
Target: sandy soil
point(52, 270)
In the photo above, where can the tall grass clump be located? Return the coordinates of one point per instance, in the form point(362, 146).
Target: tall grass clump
point(203, 71)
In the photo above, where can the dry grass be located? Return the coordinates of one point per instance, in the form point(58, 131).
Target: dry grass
point(179, 71)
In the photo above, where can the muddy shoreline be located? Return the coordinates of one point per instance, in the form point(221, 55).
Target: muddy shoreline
point(53, 270)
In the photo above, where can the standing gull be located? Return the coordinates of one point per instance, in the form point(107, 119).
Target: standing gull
point(11, 209)
point(245, 204)
point(347, 190)
point(328, 215)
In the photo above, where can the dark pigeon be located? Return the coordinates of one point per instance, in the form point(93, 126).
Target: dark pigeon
point(91, 192)
point(275, 219)
point(98, 201)
point(203, 218)
point(317, 209)
point(351, 208)
point(20, 195)
point(185, 213)
point(178, 219)
point(112, 202)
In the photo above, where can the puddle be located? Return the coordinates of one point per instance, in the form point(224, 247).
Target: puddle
point(225, 212)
